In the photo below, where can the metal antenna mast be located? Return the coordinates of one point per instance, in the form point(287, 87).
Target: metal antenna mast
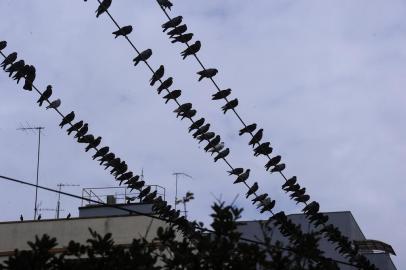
point(58, 204)
point(38, 129)
point(176, 183)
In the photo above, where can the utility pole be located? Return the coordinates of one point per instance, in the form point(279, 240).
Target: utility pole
point(38, 129)
point(176, 183)
point(58, 204)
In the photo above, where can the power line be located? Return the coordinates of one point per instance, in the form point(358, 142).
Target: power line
point(132, 211)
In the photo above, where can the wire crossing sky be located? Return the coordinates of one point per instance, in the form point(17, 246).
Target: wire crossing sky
point(329, 75)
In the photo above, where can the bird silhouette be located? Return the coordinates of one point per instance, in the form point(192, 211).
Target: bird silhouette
point(165, 4)
point(15, 67)
point(213, 142)
point(101, 152)
point(243, 177)
point(172, 95)
point(67, 119)
point(3, 45)
point(205, 136)
point(54, 104)
point(230, 105)
point(289, 182)
point(222, 154)
point(106, 158)
point(93, 144)
point(8, 60)
point(144, 192)
point(248, 129)
point(103, 7)
point(278, 168)
point(68, 216)
point(236, 171)
point(112, 163)
point(311, 209)
point(298, 193)
point(188, 114)
point(45, 95)
point(136, 185)
point(201, 130)
point(29, 80)
point(184, 38)
point(123, 31)
point(207, 73)
point(263, 149)
point(302, 199)
point(273, 162)
point(292, 188)
point(86, 139)
point(21, 73)
point(21, 218)
point(196, 124)
point(75, 127)
point(120, 169)
point(221, 94)
point(82, 131)
point(256, 138)
point(178, 30)
point(318, 219)
point(125, 176)
point(158, 74)
point(192, 49)
point(216, 148)
point(252, 190)
point(172, 23)
point(165, 85)
point(183, 108)
point(143, 56)
point(268, 205)
point(150, 197)
point(260, 198)
point(39, 217)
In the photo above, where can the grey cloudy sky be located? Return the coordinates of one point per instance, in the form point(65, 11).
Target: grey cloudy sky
point(323, 78)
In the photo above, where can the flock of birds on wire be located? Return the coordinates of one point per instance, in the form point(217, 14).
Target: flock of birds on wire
point(119, 169)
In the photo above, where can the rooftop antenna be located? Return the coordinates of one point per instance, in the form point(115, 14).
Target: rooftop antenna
point(177, 174)
point(58, 204)
point(39, 130)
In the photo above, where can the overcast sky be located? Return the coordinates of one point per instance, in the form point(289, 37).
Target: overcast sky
point(323, 78)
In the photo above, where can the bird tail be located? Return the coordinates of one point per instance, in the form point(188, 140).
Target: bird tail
point(201, 78)
point(136, 62)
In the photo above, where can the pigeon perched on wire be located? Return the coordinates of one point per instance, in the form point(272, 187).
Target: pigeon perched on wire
point(192, 49)
point(165, 4)
point(222, 154)
point(172, 95)
point(213, 142)
point(165, 85)
point(150, 197)
point(188, 114)
point(107, 158)
point(207, 73)
point(101, 152)
point(318, 219)
point(29, 80)
point(125, 176)
point(216, 148)
point(136, 185)
point(248, 129)
point(259, 198)
point(243, 177)
point(75, 127)
point(273, 162)
point(267, 205)
point(21, 73)
point(144, 192)
point(201, 130)
point(256, 138)
point(221, 94)
point(158, 74)
point(82, 131)
point(93, 144)
point(86, 139)
point(311, 209)
point(67, 119)
point(183, 108)
point(120, 169)
point(236, 171)
point(230, 105)
point(172, 23)
point(143, 56)
point(178, 30)
point(112, 163)
point(290, 182)
point(8, 60)
point(196, 124)
point(263, 149)
point(123, 31)
point(302, 199)
point(298, 193)
point(15, 67)
point(205, 136)
point(252, 190)
point(103, 7)
point(54, 104)
point(184, 38)
point(278, 168)
point(3, 45)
